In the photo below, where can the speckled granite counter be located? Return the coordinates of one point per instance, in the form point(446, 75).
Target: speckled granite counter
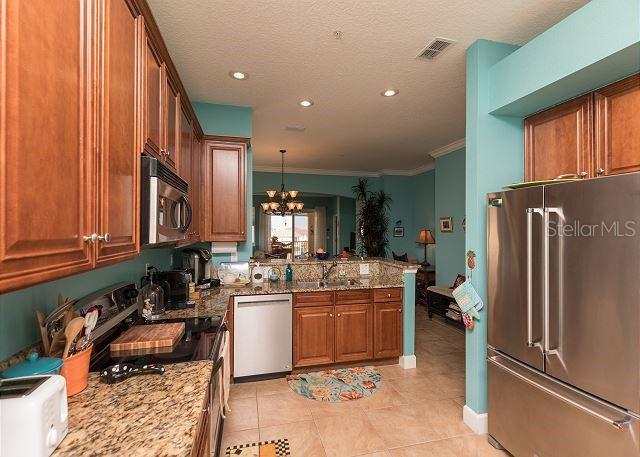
point(143, 416)
point(215, 304)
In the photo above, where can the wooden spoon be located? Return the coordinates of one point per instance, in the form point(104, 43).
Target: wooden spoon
point(71, 332)
point(43, 331)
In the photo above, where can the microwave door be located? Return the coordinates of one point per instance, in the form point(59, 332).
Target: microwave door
point(169, 208)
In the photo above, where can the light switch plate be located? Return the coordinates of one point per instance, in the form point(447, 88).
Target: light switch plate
point(364, 268)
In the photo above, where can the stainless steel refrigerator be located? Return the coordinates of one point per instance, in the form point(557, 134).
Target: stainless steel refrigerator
point(564, 318)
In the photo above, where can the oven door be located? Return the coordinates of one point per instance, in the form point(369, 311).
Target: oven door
point(170, 215)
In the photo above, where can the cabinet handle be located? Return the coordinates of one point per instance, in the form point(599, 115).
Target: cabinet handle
point(338, 314)
point(106, 237)
point(599, 170)
point(90, 238)
point(400, 310)
point(389, 295)
point(582, 174)
point(330, 315)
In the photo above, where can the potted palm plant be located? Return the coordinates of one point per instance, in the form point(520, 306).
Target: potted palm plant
point(372, 221)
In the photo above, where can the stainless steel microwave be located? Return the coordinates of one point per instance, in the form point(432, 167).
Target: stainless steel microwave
point(165, 211)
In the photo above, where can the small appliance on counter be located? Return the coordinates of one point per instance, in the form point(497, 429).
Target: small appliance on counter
point(195, 262)
point(34, 415)
point(176, 288)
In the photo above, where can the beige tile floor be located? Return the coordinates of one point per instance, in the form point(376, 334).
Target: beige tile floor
point(416, 412)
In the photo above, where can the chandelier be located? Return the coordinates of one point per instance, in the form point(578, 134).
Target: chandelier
point(286, 202)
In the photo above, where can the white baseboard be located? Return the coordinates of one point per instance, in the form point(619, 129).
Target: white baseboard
point(407, 361)
point(479, 423)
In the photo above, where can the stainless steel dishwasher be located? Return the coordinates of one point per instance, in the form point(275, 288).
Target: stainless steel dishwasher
point(262, 336)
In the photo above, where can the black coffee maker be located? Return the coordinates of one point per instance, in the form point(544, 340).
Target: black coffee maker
point(194, 260)
point(175, 284)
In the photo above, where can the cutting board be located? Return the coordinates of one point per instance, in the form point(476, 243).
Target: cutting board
point(149, 336)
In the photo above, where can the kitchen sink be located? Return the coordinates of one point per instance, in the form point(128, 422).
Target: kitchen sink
point(325, 283)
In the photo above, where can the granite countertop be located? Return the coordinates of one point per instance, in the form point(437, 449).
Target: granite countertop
point(147, 415)
point(215, 303)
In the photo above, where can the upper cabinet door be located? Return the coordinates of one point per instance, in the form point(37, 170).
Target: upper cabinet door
point(152, 98)
point(196, 182)
point(558, 141)
point(184, 166)
point(45, 155)
point(225, 202)
point(618, 127)
point(120, 47)
point(171, 121)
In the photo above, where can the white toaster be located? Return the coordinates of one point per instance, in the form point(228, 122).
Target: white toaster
point(33, 415)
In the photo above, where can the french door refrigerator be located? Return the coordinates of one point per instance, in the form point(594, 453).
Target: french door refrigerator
point(564, 318)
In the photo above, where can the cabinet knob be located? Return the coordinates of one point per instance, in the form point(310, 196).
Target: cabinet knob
point(582, 174)
point(90, 238)
point(330, 315)
point(389, 295)
point(400, 310)
point(599, 170)
point(106, 237)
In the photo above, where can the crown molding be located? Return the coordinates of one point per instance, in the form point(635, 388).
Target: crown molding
point(316, 171)
point(367, 174)
point(446, 149)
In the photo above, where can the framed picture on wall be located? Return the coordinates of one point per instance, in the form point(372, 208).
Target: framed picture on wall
point(398, 232)
point(446, 224)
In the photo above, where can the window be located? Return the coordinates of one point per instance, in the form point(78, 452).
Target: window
point(290, 234)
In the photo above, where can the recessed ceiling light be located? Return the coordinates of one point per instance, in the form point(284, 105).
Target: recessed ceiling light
point(238, 75)
point(306, 103)
point(390, 92)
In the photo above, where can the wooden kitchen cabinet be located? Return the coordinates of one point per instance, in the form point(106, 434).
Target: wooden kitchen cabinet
point(152, 98)
point(185, 166)
point(354, 332)
point(196, 181)
point(172, 119)
point(617, 121)
point(591, 136)
point(313, 340)
point(346, 326)
point(558, 141)
point(118, 195)
point(224, 191)
point(46, 159)
point(387, 329)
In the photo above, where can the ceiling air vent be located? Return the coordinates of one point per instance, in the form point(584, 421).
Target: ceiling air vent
point(435, 48)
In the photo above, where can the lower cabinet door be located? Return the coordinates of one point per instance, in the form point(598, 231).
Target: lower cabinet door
point(354, 332)
point(313, 328)
point(388, 330)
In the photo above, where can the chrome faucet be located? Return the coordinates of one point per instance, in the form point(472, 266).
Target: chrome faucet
point(326, 271)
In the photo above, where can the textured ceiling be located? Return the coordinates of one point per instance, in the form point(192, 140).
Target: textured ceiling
point(289, 51)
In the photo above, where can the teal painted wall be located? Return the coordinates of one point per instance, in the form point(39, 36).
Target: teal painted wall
point(409, 314)
point(449, 201)
point(231, 120)
point(227, 120)
point(506, 83)
point(413, 201)
point(18, 327)
point(347, 220)
point(424, 213)
point(597, 44)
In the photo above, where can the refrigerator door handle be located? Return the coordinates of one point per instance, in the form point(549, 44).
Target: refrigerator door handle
point(530, 213)
point(618, 423)
point(546, 349)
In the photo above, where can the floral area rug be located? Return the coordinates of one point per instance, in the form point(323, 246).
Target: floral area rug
point(344, 384)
